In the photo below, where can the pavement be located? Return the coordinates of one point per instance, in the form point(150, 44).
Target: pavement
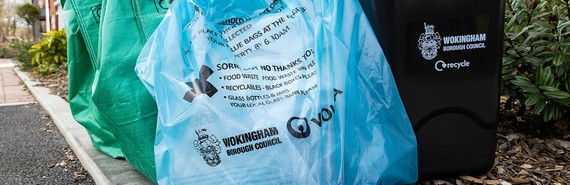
point(12, 91)
point(102, 168)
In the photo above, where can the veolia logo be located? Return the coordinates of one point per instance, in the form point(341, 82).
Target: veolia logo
point(299, 126)
point(429, 42)
point(302, 130)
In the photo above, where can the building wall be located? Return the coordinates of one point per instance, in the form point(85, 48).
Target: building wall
point(55, 15)
point(59, 13)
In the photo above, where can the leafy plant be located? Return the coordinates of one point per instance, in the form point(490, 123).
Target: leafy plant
point(21, 54)
point(536, 61)
point(6, 52)
point(49, 53)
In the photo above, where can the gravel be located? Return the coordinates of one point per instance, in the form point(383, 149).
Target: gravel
point(32, 151)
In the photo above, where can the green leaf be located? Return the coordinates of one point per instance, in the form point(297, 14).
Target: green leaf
point(555, 10)
point(545, 76)
point(507, 78)
point(541, 5)
point(548, 112)
point(522, 81)
point(565, 48)
point(560, 71)
point(557, 95)
point(546, 54)
point(540, 15)
point(543, 25)
point(532, 90)
point(565, 33)
point(541, 42)
point(512, 21)
point(534, 60)
point(559, 2)
point(533, 99)
point(557, 113)
point(512, 52)
point(523, 31)
point(552, 112)
point(507, 71)
point(548, 88)
point(539, 106)
point(554, 46)
point(37, 59)
point(539, 49)
point(563, 24)
point(542, 35)
point(559, 59)
point(507, 60)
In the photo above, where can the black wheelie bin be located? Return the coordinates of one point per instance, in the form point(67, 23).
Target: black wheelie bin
point(446, 59)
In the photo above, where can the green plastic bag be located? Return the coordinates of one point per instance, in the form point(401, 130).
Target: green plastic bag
point(118, 93)
point(82, 23)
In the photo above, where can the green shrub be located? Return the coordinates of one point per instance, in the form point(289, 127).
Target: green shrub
point(6, 52)
point(49, 53)
point(536, 61)
point(21, 54)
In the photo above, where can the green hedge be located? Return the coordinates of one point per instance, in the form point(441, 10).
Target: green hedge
point(6, 51)
point(536, 66)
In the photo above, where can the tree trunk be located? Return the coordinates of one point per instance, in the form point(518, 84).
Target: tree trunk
point(36, 26)
point(30, 33)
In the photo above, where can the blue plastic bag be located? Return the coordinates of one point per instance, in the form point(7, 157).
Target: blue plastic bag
point(274, 92)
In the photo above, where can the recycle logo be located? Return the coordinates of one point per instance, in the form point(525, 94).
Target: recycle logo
point(162, 5)
point(96, 11)
point(200, 85)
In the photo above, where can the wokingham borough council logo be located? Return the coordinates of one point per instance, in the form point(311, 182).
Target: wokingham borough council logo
point(208, 146)
point(429, 42)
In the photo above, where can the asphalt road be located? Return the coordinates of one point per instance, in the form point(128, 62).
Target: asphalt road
point(32, 151)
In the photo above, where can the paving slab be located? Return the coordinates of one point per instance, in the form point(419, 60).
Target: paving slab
point(6, 63)
point(12, 89)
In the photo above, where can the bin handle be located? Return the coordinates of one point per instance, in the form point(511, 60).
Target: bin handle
point(457, 110)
